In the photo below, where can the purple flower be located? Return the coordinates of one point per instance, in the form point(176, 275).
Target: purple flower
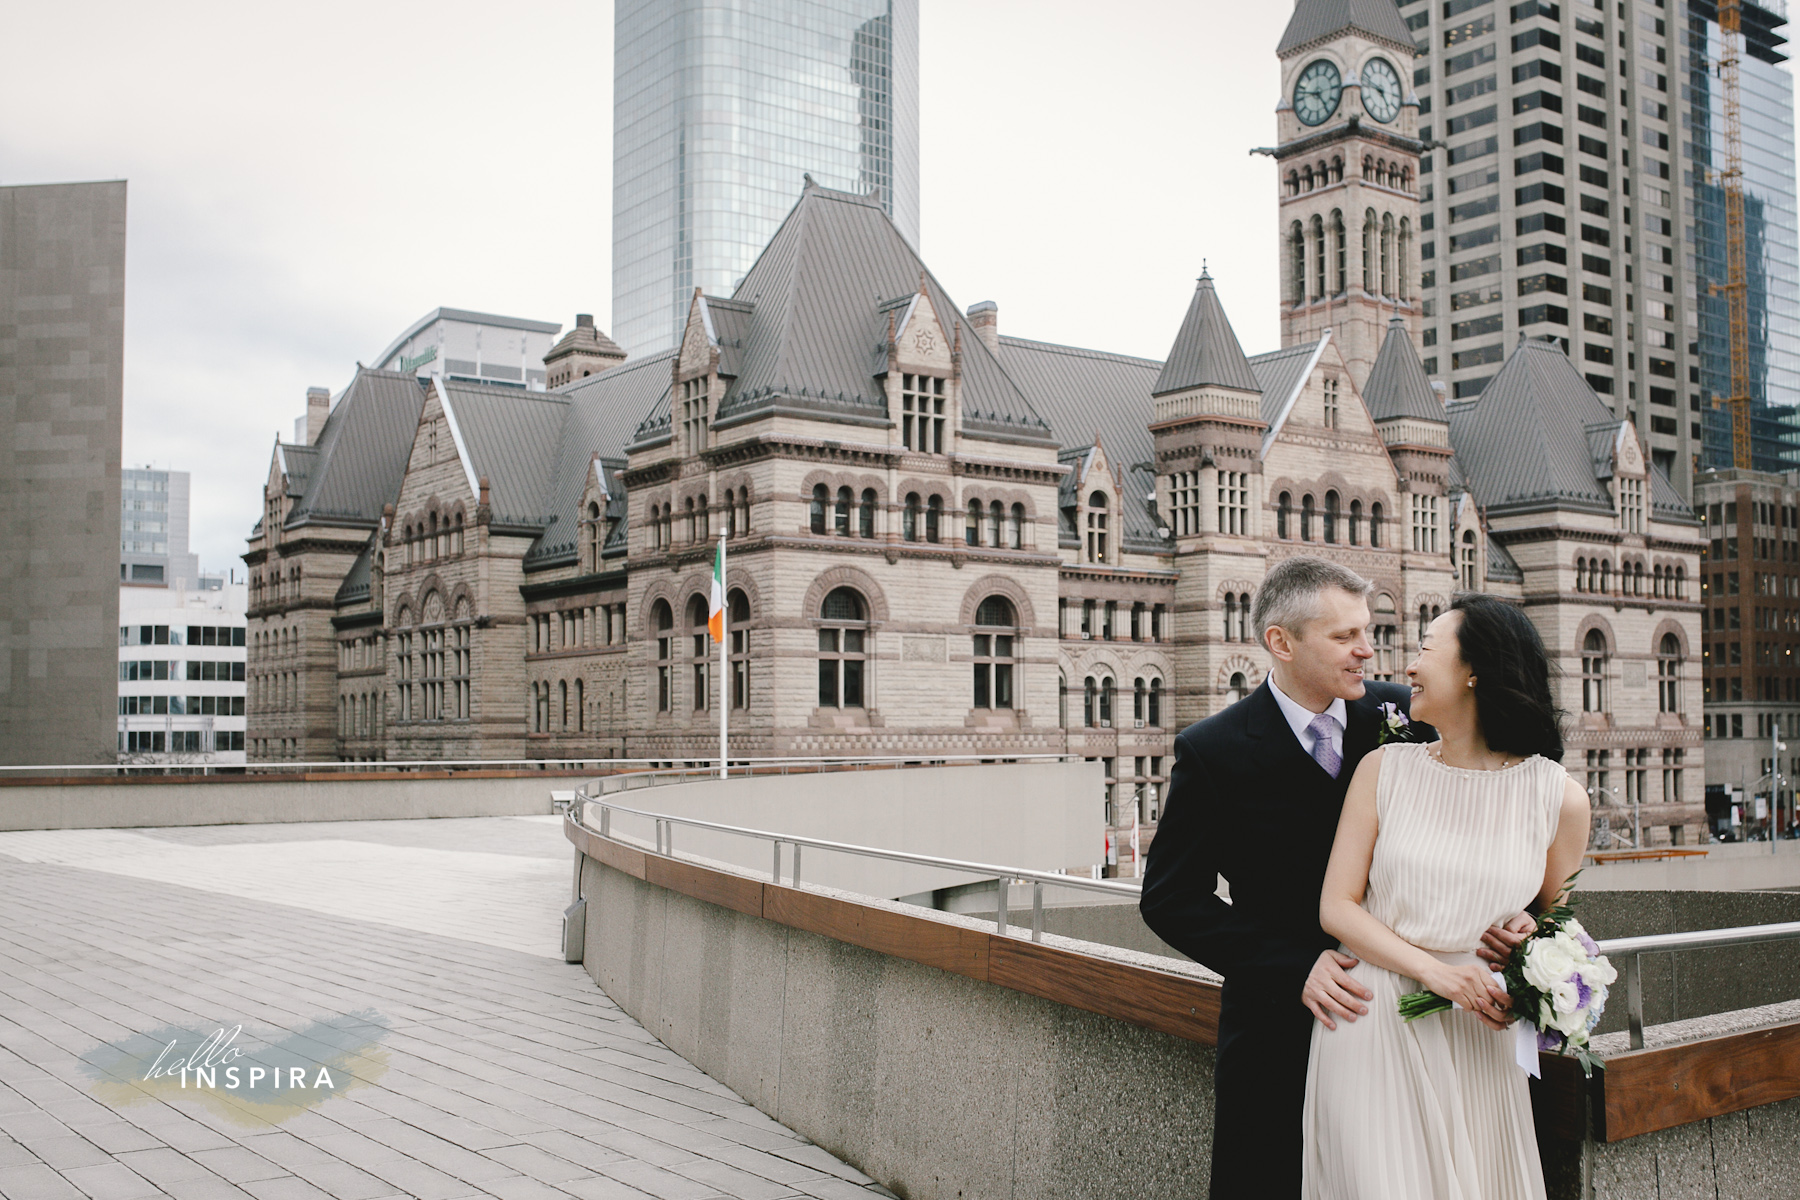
point(1548, 1040)
point(1583, 993)
point(1588, 944)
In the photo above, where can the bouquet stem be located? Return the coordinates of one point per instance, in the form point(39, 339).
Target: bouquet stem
point(1422, 1004)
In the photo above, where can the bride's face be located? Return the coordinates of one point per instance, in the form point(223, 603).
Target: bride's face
point(1439, 676)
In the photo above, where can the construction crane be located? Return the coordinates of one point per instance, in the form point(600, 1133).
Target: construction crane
point(1736, 287)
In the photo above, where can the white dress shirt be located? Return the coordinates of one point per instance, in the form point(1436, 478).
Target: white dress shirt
point(1300, 718)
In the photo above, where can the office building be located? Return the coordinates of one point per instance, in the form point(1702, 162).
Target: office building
point(507, 351)
point(153, 529)
point(1556, 201)
point(720, 111)
point(1752, 632)
point(62, 252)
point(1771, 234)
point(181, 676)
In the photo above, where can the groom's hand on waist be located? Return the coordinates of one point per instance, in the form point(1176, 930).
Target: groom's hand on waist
point(1331, 993)
point(1499, 942)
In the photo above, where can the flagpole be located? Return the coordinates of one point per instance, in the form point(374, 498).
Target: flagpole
point(724, 661)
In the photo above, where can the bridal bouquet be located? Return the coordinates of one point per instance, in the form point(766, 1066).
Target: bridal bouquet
point(1558, 980)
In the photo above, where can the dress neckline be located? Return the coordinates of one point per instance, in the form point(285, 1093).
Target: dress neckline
point(1442, 765)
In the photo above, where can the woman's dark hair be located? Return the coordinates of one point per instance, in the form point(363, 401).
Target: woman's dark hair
point(1512, 676)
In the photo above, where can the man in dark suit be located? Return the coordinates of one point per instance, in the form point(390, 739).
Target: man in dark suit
point(1255, 797)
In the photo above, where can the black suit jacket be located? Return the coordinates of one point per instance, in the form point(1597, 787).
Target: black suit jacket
point(1246, 802)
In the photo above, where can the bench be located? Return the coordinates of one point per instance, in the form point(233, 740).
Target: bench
point(1654, 854)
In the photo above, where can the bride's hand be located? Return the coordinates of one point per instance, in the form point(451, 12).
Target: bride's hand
point(1471, 985)
point(1499, 942)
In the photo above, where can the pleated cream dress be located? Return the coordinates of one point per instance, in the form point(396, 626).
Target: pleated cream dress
point(1438, 1109)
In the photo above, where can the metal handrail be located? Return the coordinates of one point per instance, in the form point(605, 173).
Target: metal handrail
point(1629, 952)
point(626, 781)
point(665, 823)
point(535, 763)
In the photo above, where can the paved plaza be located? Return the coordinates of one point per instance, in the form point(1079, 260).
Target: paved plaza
point(494, 1069)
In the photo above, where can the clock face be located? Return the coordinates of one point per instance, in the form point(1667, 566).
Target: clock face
point(1316, 93)
point(1381, 90)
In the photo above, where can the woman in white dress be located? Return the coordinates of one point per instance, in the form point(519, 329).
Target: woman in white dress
point(1437, 843)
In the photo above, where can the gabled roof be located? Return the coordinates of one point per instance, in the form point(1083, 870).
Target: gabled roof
point(1089, 393)
point(1281, 374)
point(1398, 386)
point(1315, 19)
point(357, 580)
point(297, 464)
point(809, 315)
point(509, 436)
point(601, 415)
point(1206, 350)
point(362, 452)
point(1501, 565)
point(1527, 442)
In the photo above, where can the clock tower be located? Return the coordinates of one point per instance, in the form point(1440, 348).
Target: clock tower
point(1348, 159)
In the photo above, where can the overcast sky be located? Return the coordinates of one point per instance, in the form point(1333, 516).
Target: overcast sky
point(307, 180)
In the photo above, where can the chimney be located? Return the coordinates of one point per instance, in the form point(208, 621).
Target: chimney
point(984, 319)
point(318, 407)
point(584, 320)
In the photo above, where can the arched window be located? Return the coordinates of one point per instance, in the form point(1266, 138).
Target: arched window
point(1293, 183)
point(1668, 674)
point(1355, 530)
point(1581, 574)
point(1384, 637)
point(1424, 620)
point(1341, 278)
point(1096, 528)
point(1593, 672)
point(700, 639)
point(1306, 517)
point(972, 530)
point(1154, 714)
point(743, 523)
point(702, 519)
point(934, 519)
point(1657, 582)
point(1284, 508)
point(996, 524)
point(1230, 613)
point(1016, 533)
point(840, 522)
point(1331, 518)
point(820, 501)
point(865, 516)
point(1387, 254)
point(1140, 695)
point(1637, 579)
point(1368, 247)
point(1106, 702)
point(1319, 259)
point(1375, 526)
point(1681, 583)
point(843, 649)
point(1337, 169)
point(1090, 703)
point(730, 512)
point(909, 519)
point(994, 653)
point(1606, 578)
point(562, 689)
point(664, 619)
point(1243, 616)
point(738, 614)
point(1062, 701)
point(1297, 267)
point(1239, 687)
point(580, 708)
point(1306, 178)
point(1405, 255)
point(456, 536)
point(431, 544)
point(687, 516)
point(1471, 578)
point(596, 536)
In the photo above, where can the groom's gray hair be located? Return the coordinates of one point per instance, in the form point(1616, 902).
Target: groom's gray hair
point(1289, 595)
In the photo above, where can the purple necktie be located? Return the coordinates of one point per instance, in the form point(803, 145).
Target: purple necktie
point(1322, 751)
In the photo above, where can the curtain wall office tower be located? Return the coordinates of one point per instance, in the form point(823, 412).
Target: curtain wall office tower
point(720, 110)
point(1565, 196)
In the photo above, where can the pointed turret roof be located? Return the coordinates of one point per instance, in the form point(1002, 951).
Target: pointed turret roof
point(1398, 386)
point(1206, 351)
point(1315, 19)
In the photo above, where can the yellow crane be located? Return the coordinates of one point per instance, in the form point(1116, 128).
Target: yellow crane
point(1736, 287)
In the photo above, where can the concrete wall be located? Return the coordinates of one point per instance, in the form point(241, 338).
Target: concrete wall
point(238, 800)
point(1039, 816)
point(943, 1087)
point(62, 346)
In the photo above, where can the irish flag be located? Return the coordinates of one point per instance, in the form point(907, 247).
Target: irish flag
point(715, 617)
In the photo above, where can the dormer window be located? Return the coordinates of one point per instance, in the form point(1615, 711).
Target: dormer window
point(1096, 528)
point(1631, 505)
point(922, 413)
point(1331, 404)
point(696, 399)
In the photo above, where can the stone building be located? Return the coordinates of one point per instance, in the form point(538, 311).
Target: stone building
point(946, 540)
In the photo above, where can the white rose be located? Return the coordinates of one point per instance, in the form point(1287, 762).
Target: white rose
point(1566, 996)
point(1598, 974)
point(1572, 1023)
point(1574, 927)
point(1548, 962)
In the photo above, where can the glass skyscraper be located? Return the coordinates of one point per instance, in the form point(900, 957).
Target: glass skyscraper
point(1771, 236)
point(720, 108)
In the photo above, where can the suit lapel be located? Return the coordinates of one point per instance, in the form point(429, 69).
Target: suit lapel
point(1270, 724)
point(1362, 729)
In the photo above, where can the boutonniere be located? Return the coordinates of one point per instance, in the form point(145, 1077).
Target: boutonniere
point(1396, 726)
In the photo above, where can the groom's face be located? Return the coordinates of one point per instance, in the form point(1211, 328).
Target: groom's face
point(1327, 656)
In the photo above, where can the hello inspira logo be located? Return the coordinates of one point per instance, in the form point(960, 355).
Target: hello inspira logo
point(252, 1079)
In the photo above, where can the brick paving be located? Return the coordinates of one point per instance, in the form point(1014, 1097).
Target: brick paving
point(509, 1074)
